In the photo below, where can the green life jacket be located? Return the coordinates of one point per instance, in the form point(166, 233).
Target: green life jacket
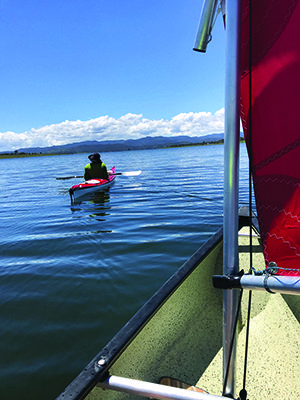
point(95, 171)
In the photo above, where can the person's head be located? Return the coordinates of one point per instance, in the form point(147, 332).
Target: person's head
point(95, 158)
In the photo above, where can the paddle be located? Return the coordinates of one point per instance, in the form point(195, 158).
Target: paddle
point(70, 177)
point(129, 173)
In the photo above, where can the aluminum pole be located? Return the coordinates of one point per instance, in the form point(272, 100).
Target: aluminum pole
point(272, 283)
point(208, 13)
point(153, 390)
point(231, 178)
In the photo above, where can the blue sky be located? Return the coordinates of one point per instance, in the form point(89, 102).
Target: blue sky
point(105, 69)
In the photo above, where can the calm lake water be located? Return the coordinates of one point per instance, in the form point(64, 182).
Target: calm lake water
point(72, 275)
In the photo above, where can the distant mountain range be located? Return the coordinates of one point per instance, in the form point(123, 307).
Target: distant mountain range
point(123, 145)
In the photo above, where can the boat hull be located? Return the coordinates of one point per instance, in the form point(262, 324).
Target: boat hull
point(87, 189)
point(178, 334)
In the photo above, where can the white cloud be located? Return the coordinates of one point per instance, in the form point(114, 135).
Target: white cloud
point(129, 126)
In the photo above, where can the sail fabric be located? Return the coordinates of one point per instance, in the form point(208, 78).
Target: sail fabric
point(274, 128)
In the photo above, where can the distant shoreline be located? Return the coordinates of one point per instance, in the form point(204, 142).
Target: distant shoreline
point(23, 154)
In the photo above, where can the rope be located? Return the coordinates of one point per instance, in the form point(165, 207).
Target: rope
point(214, 21)
point(243, 392)
point(272, 269)
point(232, 342)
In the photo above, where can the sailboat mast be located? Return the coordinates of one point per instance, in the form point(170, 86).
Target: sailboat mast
point(231, 162)
point(231, 178)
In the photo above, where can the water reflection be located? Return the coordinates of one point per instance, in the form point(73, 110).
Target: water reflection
point(96, 198)
point(97, 203)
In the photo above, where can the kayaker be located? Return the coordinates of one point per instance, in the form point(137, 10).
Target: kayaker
point(96, 169)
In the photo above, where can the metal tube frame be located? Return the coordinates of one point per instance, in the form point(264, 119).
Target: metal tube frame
point(231, 179)
point(272, 283)
point(153, 390)
point(205, 25)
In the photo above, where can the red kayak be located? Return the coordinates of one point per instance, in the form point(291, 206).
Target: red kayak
point(92, 186)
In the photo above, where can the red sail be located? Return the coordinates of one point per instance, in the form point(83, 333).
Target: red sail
point(275, 125)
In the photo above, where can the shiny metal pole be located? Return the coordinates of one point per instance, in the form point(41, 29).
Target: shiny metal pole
point(153, 390)
point(231, 180)
point(272, 283)
point(208, 13)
